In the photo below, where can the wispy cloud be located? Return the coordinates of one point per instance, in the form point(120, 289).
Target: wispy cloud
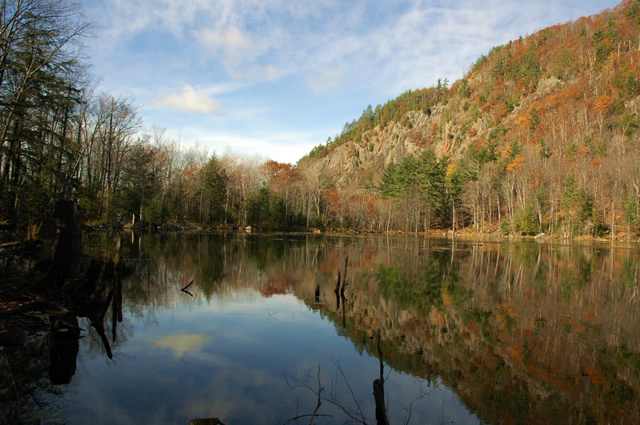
point(324, 79)
point(190, 101)
point(239, 51)
point(408, 42)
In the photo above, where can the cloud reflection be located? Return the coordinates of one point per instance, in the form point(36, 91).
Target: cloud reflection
point(181, 343)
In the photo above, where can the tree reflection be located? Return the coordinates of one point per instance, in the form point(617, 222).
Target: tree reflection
point(523, 331)
point(36, 367)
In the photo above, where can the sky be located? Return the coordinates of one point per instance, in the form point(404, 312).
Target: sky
point(274, 78)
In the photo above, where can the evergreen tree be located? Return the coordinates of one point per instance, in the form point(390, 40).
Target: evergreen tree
point(215, 189)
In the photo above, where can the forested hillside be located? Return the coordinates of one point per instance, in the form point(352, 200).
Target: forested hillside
point(541, 135)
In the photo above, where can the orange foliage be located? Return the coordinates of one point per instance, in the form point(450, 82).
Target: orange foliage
point(603, 103)
point(583, 150)
point(516, 164)
point(333, 199)
point(281, 173)
point(595, 374)
point(512, 312)
point(574, 92)
point(371, 207)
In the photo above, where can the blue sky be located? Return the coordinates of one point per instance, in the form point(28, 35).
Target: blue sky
point(276, 77)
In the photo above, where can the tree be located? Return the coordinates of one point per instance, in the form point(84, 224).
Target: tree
point(577, 206)
point(259, 208)
point(39, 86)
point(432, 181)
point(455, 179)
point(214, 191)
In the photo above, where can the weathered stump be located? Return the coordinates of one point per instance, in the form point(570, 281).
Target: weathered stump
point(68, 247)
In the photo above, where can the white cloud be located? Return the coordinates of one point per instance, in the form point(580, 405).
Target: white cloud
point(190, 101)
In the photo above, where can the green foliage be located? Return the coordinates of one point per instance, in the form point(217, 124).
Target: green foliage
point(564, 64)
point(631, 208)
point(464, 90)
point(424, 176)
point(505, 227)
point(603, 49)
point(432, 180)
point(390, 186)
point(630, 88)
point(485, 154)
point(525, 221)
point(578, 206)
point(215, 191)
point(511, 101)
point(319, 151)
point(457, 176)
point(258, 208)
point(514, 151)
point(634, 10)
point(497, 133)
point(530, 69)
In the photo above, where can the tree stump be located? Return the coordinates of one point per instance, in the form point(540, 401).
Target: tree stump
point(68, 247)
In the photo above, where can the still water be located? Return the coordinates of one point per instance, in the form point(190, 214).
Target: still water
point(250, 328)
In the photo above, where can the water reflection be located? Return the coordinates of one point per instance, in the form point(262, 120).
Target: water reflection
point(519, 333)
point(181, 343)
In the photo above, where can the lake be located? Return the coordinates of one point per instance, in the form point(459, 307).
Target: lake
point(252, 329)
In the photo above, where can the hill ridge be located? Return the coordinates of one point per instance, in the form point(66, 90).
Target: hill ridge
point(561, 103)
